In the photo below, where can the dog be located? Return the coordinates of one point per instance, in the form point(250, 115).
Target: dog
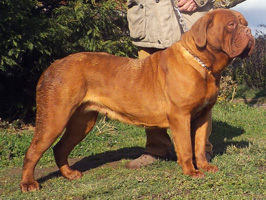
point(175, 88)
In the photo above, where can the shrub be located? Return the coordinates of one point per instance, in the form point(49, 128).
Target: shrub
point(35, 33)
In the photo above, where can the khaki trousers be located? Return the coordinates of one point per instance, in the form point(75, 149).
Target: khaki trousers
point(158, 141)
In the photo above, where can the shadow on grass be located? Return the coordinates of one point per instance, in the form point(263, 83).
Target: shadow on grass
point(221, 135)
point(98, 160)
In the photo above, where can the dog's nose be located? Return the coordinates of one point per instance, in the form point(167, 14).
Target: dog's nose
point(247, 30)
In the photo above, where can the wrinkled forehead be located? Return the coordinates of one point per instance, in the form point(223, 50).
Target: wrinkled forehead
point(232, 15)
point(240, 17)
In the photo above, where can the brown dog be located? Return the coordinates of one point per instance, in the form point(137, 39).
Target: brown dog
point(174, 88)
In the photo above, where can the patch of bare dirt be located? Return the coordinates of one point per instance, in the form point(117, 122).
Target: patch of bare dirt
point(111, 159)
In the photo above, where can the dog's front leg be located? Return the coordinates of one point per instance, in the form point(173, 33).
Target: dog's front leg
point(181, 132)
point(200, 129)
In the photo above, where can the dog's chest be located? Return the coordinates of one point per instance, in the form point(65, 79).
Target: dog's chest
point(204, 105)
point(210, 97)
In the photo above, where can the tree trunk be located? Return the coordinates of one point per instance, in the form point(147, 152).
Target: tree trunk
point(226, 3)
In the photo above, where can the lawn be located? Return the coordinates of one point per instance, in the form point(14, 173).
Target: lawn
point(239, 139)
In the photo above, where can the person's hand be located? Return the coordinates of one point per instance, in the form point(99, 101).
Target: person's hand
point(187, 5)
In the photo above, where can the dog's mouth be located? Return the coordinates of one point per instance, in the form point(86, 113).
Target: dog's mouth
point(249, 48)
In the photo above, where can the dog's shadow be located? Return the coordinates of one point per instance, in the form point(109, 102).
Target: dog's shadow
point(98, 160)
point(222, 133)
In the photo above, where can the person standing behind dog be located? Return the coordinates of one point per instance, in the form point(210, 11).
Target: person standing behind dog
point(154, 25)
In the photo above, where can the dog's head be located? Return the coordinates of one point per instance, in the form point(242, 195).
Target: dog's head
point(224, 30)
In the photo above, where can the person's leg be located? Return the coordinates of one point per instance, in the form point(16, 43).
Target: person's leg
point(209, 146)
point(158, 145)
point(145, 52)
point(158, 141)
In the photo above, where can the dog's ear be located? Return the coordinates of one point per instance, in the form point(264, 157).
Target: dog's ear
point(199, 30)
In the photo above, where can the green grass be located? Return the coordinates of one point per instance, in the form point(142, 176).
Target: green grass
point(251, 95)
point(239, 139)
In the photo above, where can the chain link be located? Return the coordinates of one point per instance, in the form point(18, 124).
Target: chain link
point(179, 16)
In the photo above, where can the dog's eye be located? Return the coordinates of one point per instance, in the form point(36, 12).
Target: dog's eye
point(231, 25)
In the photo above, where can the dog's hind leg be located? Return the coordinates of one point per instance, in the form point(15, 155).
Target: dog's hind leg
point(77, 128)
point(48, 128)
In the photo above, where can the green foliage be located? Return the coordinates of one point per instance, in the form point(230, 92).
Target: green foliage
point(35, 33)
point(227, 88)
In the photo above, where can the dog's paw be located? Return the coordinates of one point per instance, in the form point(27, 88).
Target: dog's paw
point(197, 174)
point(71, 175)
point(27, 187)
point(209, 168)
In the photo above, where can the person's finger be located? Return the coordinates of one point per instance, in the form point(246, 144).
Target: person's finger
point(189, 6)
